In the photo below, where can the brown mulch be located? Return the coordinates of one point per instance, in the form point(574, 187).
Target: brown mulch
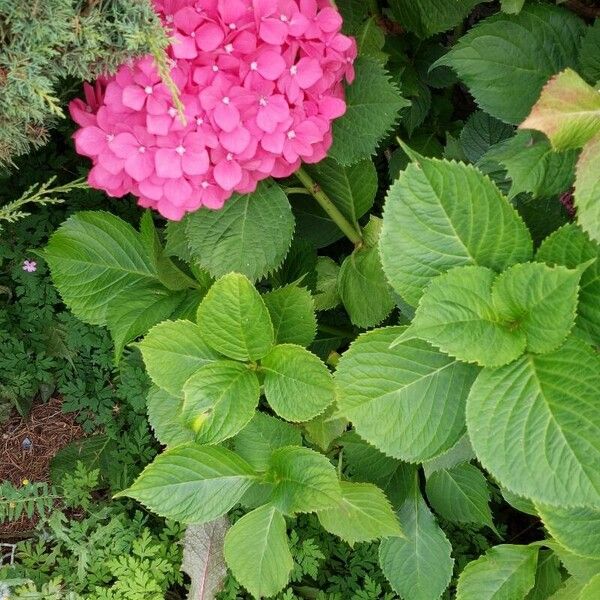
point(27, 445)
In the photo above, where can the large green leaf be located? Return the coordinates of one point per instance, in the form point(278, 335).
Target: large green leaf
point(251, 234)
point(234, 319)
point(258, 553)
point(364, 514)
point(576, 529)
point(439, 215)
point(418, 566)
point(580, 567)
point(506, 59)
point(478, 317)
point(505, 571)
point(264, 434)
point(219, 400)
point(591, 590)
point(460, 494)
point(428, 17)
point(94, 257)
point(297, 384)
point(373, 103)
point(421, 392)
point(192, 483)
point(164, 416)
point(292, 311)
point(535, 425)
point(571, 247)
point(173, 351)
point(304, 481)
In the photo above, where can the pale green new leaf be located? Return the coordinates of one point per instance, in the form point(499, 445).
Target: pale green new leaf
point(581, 568)
point(326, 428)
point(576, 529)
point(304, 481)
point(568, 111)
point(439, 215)
point(363, 515)
point(192, 483)
point(164, 416)
point(418, 566)
point(420, 391)
point(460, 494)
point(535, 425)
point(258, 553)
point(234, 319)
point(373, 103)
point(505, 60)
point(571, 247)
point(327, 296)
point(512, 6)
point(591, 590)
point(292, 311)
point(505, 571)
point(173, 351)
point(263, 435)
point(297, 384)
point(95, 257)
point(251, 234)
point(587, 189)
point(219, 400)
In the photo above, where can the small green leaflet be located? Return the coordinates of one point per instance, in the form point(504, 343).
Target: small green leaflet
point(505, 60)
point(373, 103)
point(324, 429)
point(292, 311)
point(364, 514)
point(460, 494)
point(571, 247)
point(192, 483)
point(304, 481)
point(461, 452)
point(418, 566)
point(219, 400)
point(264, 434)
point(442, 214)
point(480, 133)
point(327, 296)
point(164, 416)
point(505, 571)
point(234, 319)
point(421, 392)
point(548, 576)
point(258, 553)
point(297, 384)
point(251, 234)
point(535, 424)
point(476, 316)
point(173, 351)
point(576, 529)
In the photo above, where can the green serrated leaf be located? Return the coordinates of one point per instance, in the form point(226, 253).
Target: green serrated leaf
point(257, 552)
point(93, 258)
point(173, 351)
point(251, 234)
point(219, 400)
point(591, 590)
point(292, 313)
point(262, 436)
point(571, 247)
point(419, 566)
point(304, 481)
point(371, 40)
point(505, 571)
point(192, 483)
point(519, 502)
point(480, 133)
point(534, 425)
point(363, 515)
point(548, 576)
point(505, 60)
point(439, 215)
point(460, 494)
point(234, 319)
point(581, 568)
point(326, 428)
point(327, 296)
point(420, 391)
point(512, 7)
point(587, 189)
point(164, 416)
point(373, 103)
point(297, 384)
point(461, 452)
point(589, 53)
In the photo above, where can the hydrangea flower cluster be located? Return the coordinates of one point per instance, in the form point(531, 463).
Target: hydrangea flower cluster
point(261, 82)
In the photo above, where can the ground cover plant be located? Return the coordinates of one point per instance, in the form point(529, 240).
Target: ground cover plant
point(357, 306)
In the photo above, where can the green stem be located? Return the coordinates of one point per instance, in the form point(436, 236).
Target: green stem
point(350, 231)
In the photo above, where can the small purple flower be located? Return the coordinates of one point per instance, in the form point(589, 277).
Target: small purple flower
point(30, 266)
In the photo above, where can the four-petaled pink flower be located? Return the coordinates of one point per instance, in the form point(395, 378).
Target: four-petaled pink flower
point(30, 266)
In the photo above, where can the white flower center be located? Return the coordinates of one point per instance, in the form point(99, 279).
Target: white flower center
point(193, 34)
point(253, 66)
point(232, 26)
point(169, 18)
point(229, 157)
point(215, 68)
point(283, 18)
point(291, 135)
point(172, 111)
point(199, 121)
point(293, 70)
point(110, 137)
point(148, 89)
point(205, 185)
point(226, 100)
point(263, 101)
point(142, 149)
point(180, 150)
point(229, 48)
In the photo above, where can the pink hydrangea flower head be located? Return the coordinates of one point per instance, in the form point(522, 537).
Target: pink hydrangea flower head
point(260, 83)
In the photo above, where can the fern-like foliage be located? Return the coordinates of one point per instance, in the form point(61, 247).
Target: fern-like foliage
point(30, 499)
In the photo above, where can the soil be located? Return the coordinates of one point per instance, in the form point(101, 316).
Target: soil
point(27, 446)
